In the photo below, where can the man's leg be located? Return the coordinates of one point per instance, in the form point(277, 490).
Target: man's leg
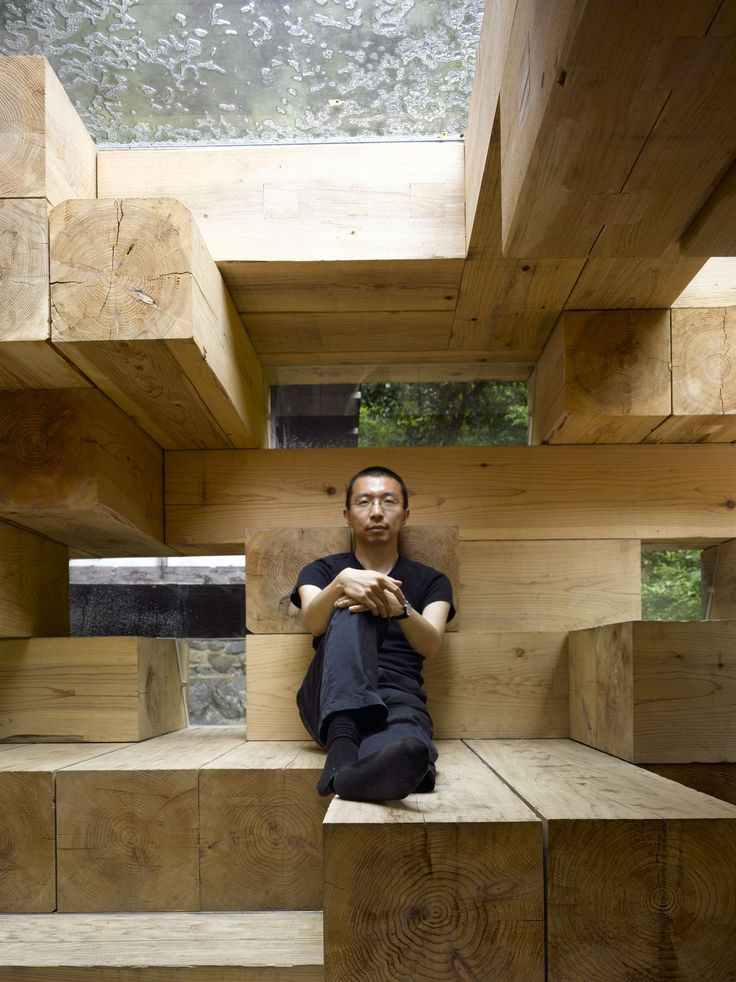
point(339, 698)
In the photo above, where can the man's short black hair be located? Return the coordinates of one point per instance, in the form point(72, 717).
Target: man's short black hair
point(377, 472)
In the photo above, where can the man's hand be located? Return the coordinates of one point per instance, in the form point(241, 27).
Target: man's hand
point(365, 589)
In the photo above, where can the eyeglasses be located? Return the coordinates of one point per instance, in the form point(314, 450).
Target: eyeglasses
point(388, 502)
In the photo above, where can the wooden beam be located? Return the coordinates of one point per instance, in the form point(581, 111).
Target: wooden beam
point(261, 828)
point(365, 370)
point(140, 307)
point(242, 947)
point(629, 492)
point(603, 377)
point(590, 108)
point(713, 230)
point(127, 824)
point(654, 691)
point(415, 887)
point(27, 818)
point(718, 780)
point(307, 203)
point(703, 381)
point(34, 584)
point(75, 468)
point(482, 683)
point(27, 359)
point(718, 579)
point(713, 286)
point(274, 558)
point(89, 690)
point(46, 151)
point(639, 870)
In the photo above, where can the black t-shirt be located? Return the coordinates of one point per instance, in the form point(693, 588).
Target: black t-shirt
point(399, 666)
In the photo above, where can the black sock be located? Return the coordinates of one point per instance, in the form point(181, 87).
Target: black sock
point(386, 775)
point(343, 740)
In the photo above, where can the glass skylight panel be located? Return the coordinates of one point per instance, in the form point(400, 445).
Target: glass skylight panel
point(153, 72)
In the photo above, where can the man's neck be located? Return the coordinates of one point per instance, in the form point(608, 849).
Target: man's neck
point(380, 557)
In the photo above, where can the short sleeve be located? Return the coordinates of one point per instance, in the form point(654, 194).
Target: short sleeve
point(438, 587)
point(319, 573)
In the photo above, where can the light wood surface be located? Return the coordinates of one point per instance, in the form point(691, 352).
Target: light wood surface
point(640, 870)
point(305, 203)
point(651, 283)
point(75, 468)
point(260, 828)
point(603, 377)
point(364, 370)
point(160, 334)
point(88, 689)
point(569, 107)
point(274, 558)
point(718, 570)
point(656, 691)
point(46, 150)
point(27, 819)
point(491, 683)
point(549, 585)
point(127, 824)
point(34, 584)
point(653, 493)
point(703, 380)
point(436, 886)
point(207, 947)
point(713, 286)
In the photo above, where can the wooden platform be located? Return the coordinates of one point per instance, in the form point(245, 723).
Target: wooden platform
point(440, 886)
point(640, 870)
point(204, 947)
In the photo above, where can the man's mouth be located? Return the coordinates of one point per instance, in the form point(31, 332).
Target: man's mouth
point(376, 528)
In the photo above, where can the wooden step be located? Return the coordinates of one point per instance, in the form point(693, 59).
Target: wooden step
point(260, 828)
point(656, 691)
point(128, 824)
point(28, 822)
point(203, 947)
point(480, 684)
point(439, 886)
point(640, 870)
point(89, 689)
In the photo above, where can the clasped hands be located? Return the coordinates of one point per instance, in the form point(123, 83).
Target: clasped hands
point(367, 590)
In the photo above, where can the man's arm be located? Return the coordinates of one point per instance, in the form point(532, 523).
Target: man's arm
point(423, 631)
point(362, 587)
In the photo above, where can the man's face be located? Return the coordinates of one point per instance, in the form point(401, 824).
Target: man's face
point(376, 512)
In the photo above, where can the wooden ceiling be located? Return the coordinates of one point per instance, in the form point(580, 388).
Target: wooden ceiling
point(597, 173)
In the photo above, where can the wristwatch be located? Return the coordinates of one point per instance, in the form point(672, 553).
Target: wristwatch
point(405, 612)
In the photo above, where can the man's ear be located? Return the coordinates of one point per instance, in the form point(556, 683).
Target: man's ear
point(406, 516)
point(346, 515)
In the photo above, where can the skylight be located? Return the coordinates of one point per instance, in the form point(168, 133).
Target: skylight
point(150, 72)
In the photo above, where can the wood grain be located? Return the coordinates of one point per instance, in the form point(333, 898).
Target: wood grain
point(243, 947)
point(34, 584)
point(603, 377)
point(639, 869)
point(333, 202)
point(27, 822)
point(713, 286)
point(75, 468)
point(46, 150)
point(127, 824)
point(139, 306)
point(718, 571)
point(436, 886)
point(717, 780)
point(481, 683)
point(711, 232)
point(261, 828)
point(621, 283)
point(653, 493)
point(88, 689)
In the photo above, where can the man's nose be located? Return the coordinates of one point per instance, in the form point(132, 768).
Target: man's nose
point(376, 506)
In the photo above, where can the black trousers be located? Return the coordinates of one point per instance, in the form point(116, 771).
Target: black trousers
point(344, 676)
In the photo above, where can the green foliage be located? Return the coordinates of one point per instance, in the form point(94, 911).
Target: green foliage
point(670, 585)
point(442, 414)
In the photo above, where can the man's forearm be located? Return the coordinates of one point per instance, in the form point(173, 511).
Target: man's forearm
point(317, 613)
point(421, 635)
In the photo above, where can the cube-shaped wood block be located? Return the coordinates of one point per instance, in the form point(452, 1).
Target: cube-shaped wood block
point(445, 885)
point(639, 870)
point(128, 824)
point(655, 691)
point(34, 584)
point(603, 377)
point(89, 689)
point(77, 469)
point(261, 828)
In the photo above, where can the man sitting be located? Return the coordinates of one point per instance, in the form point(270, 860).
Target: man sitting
point(375, 616)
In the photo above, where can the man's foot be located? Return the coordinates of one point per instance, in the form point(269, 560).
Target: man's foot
point(388, 774)
point(343, 740)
